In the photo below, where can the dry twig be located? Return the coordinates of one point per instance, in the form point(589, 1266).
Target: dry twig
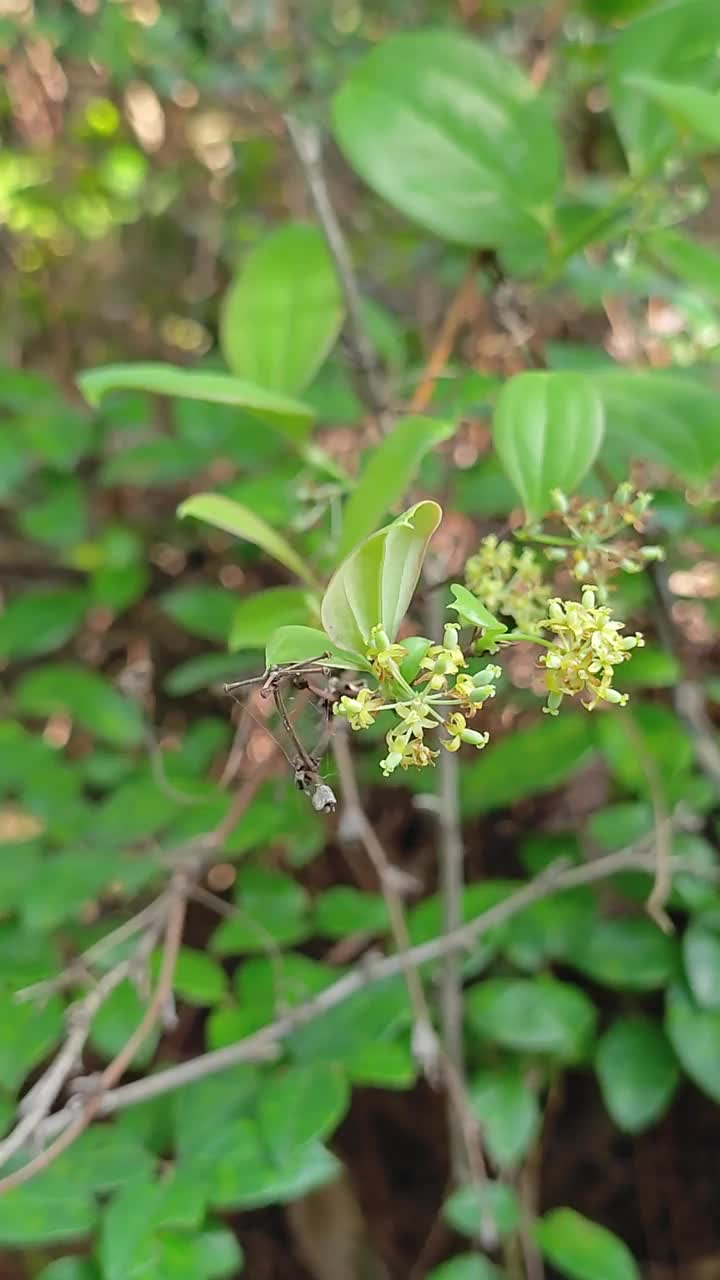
point(558, 878)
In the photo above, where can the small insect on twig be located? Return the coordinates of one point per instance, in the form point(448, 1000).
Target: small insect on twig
point(305, 764)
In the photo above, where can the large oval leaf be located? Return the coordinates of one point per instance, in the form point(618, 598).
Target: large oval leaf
point(232, 517)
point(582, 1250)
point(665, 417)
point(283, 311)
point(256, 617)
point(289, 416)
point(532, 1015)
point(637, 1071)
point(694, 1034)
point(547, 430)
point(453, 135)
point(376, 583)
point(676, 41)
point(305, 644)
point(387, 473)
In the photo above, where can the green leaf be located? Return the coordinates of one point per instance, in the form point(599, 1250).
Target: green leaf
point(116, 1021)
point(637, 1071)
point(452, 134)
point(255, 618)
point(283, 310)
point(205, 1109)
point(466, 1266)
point(382, 1065)
point(374, 1015)
point(208, 670)
point(198, 978)
point(254, 1178)
point(342, 910)
point(527, 762)
point(220, 1253)
point(376, 583)
point(203, 610)
point(582, 1250)
point(58, 512)
point(302, 1104)
point(689, 107)
point(29, 1032)
point(267, 985)
point(417, 647)
point(701, 956)
point(86, 696)
point(103, 1159)
point(694, 263)
point(466, 1206)
point(665, 740)
point(45, 1211)
point(233, 518)
point(547, 430)
point(694, 1034)
point(386, 476)
point(508, 1113)
point(303, 644)
point(471, 613)
point(630, 954)
point(677, 41)
point(40, 621)
point(533, 1015)
point(667, 418)
point(287, 415)
point(68, 1269)
point(272, 910)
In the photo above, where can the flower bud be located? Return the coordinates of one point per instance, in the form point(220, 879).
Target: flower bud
point(491, 672)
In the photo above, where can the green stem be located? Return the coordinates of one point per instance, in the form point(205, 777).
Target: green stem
point(511, 636)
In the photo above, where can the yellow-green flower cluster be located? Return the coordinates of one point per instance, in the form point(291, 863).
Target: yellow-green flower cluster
point(360, 710)
point(599, 545)
point(444, 696)
point(383, 655)
point(442, 661)
point(587, 648)
point(508, 582)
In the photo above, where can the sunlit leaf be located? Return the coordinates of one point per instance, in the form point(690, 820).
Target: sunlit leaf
point(452, 134)
point(288, 415)
point(282, 312)
point(386, 476)
point(241, 522)
point(547, 430)
point(376, 583)
point(582, 1250)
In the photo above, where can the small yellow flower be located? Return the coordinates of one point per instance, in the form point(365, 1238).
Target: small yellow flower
point(587, 648)
point(359, 711)
point(383, 655)
point(508, 582)
point(415, 716)
point(459, 732)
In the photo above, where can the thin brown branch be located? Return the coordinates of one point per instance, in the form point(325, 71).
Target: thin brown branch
point(38, 1102)
point(456, 316)
point(688, 695)
point(166, 914)
point(117, 1068)
point(265, 1042)
point(662, 821)
point(433, 1055)
point(451, 858)
point(355, 825)
point(306, 140)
